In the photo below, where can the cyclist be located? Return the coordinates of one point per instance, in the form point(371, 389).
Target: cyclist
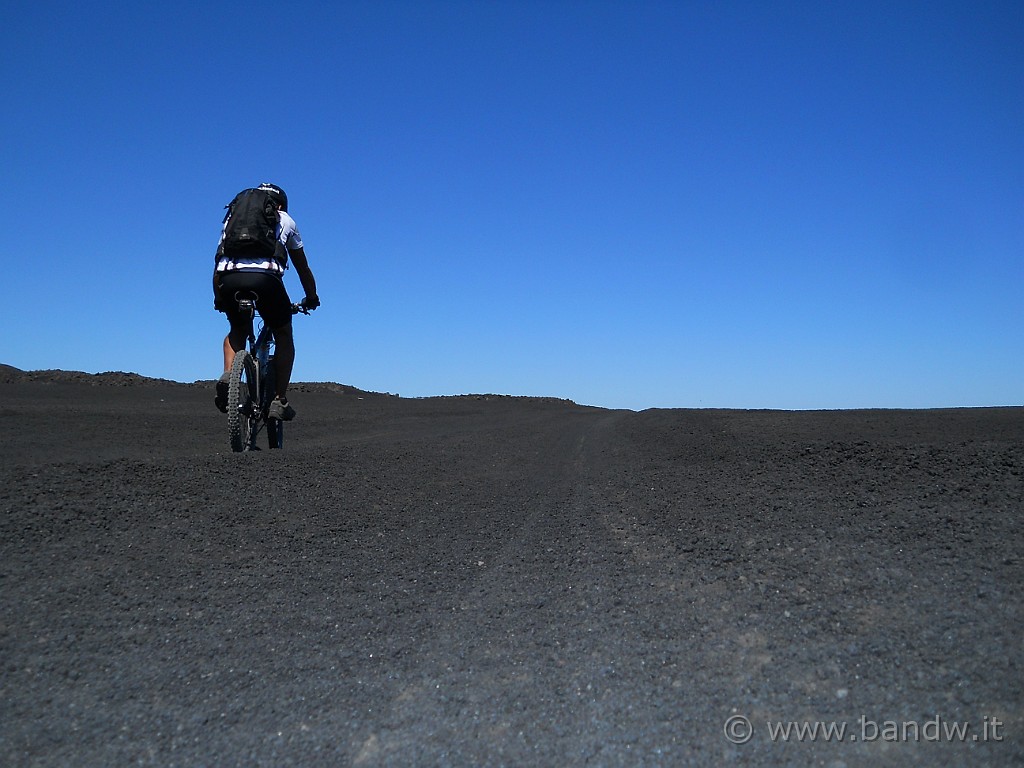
point(265, 278)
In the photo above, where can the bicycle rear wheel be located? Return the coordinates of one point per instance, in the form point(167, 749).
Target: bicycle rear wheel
point(242, 413)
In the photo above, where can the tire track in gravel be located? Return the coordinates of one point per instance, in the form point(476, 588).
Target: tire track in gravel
point(587, 637)
point(506, 673)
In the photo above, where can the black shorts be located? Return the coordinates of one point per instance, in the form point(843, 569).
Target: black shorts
point(272, 300)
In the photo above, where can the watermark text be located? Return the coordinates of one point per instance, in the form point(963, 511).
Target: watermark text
point(739, 730)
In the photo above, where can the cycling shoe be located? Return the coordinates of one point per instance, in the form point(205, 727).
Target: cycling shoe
point(280, 409)
point(221, 399)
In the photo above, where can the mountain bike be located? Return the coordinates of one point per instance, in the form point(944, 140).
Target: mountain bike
point(251, 384)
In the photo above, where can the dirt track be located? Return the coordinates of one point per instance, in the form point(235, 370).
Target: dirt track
point(505, 581)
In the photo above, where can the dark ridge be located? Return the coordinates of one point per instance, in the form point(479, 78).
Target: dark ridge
point(11, 375)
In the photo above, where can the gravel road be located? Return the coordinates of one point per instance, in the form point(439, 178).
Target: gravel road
point(495, 581)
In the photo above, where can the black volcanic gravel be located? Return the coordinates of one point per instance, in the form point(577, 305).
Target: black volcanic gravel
point(489, 581)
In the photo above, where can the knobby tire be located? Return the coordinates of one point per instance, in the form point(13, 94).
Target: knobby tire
point(241, 401)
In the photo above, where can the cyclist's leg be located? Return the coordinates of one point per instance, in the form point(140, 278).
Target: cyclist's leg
point(227, 285)
point(276, 309)
point(234, 342)
point(284, 358)
point(230, 283)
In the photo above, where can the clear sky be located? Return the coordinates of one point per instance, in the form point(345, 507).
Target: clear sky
point(628, 204)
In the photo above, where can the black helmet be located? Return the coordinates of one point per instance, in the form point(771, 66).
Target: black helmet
point(277, 194)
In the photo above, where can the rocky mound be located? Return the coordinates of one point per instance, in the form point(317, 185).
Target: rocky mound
point(11, 375)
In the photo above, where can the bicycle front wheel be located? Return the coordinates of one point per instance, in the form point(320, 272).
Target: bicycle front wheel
point(275, 433)
point(242, 405)
point(275, 427)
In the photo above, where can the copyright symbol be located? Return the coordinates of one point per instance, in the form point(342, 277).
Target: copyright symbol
point(738, 729)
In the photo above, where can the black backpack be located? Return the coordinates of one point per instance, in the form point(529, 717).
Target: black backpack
point(250, 226)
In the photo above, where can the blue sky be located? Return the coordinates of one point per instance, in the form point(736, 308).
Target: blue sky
point(628, 204)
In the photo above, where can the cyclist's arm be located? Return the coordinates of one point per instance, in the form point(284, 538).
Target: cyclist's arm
point(301, 264)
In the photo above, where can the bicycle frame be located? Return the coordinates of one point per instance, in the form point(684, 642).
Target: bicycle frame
point(251, 386)
point(261, 350)
point(260, 346)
